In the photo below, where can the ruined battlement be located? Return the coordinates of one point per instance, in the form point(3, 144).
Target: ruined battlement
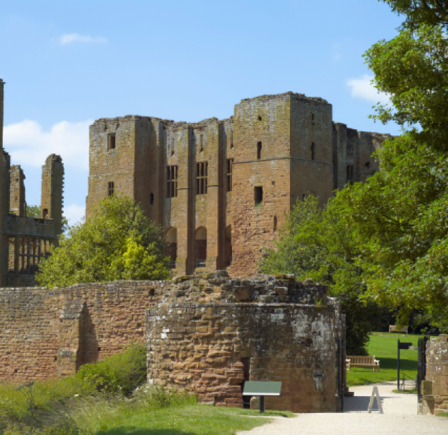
point(285, 95)
point(24, 241)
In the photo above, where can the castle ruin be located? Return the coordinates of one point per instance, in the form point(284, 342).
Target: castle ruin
point(221, 188)
point(24, 241)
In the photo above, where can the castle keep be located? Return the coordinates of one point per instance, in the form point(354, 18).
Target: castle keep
point(221, 188)
point(24, 241)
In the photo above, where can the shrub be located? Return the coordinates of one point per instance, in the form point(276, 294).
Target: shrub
point(118, 374)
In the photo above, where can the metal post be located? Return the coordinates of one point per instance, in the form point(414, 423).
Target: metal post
point(398, 365)
point(261, 404)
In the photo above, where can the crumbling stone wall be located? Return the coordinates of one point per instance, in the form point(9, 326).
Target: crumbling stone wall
point(435, 386)
point(207, 333)
point(25, 241)
point(45, 333)
point(210, 335)
point(284, 145)
point(17, 191)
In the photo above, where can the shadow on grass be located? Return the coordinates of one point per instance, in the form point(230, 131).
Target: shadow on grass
point(139, 431)
point(391, 363)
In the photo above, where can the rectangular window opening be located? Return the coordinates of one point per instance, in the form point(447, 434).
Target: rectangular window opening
point(201, 178)
point(229, 174)
point(110, 142)
point(111, 188)
point(258, 195)
point(259, 146)
point(171, 177)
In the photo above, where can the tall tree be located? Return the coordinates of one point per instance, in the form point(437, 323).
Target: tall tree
point(320, 243)
point(400, 214)
point(117, 242)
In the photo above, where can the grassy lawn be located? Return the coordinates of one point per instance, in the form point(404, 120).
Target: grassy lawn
point(384, 347)
point(187, 420)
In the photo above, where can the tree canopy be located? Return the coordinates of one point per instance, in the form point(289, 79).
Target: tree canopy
point(386, 241)
point(117, 242)
point(321, 244)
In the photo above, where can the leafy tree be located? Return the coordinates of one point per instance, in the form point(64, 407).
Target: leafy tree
point(321, 244)
point(117, 242)
point(419, 12)
point(400, 216)
point(33, 211)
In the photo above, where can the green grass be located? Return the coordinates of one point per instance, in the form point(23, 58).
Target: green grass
point(384, 347)
point(443, 414)
point(186, 420)
point(71, 407)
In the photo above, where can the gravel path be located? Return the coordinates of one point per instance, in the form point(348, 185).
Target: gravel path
point(399, 418)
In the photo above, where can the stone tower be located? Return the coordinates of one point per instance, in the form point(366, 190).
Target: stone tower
point(52, 198)
point(283, 152)
point(17, 191)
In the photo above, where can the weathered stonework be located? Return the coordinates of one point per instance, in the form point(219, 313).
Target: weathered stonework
point(207, 333)
point(282, 147)
point(435, 386)
point(25, 241)
point(45, 333)
point(210, 335)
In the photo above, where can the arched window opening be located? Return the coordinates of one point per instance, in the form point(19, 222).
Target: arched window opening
point(45, 213)
point(171, 238)
point(151, 198)
point(259, 117)
point(259, 146)
point(200, 246)
point(228, 246)
point(312, 151)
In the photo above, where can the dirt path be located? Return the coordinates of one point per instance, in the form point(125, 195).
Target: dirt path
point(399, 418)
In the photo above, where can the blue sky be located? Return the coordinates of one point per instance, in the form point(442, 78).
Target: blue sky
point(67, 63)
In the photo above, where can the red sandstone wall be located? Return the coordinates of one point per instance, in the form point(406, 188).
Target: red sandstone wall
point(34, 340)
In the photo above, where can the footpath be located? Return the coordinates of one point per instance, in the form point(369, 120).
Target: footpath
point(399, 418)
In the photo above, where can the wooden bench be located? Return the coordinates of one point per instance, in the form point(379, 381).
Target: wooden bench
point(362, 361)
point(393, 328)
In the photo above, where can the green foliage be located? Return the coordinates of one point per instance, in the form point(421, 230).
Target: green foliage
point(420, 12)
point(320, 243)
point(399, 216)
point(117, 242)
point(33, 211)
point(121, 373)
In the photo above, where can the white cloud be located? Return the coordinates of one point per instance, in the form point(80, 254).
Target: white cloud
point(363, 88)
point(75, 37)
point(29, 144)
point(74, 213)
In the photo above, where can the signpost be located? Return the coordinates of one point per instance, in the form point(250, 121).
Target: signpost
point(262, 388)
point(400, 346)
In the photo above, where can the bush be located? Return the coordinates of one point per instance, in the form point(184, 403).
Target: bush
point(118, 374)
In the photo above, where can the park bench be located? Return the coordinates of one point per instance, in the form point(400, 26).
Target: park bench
point(362, 361)
point(393, 328)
